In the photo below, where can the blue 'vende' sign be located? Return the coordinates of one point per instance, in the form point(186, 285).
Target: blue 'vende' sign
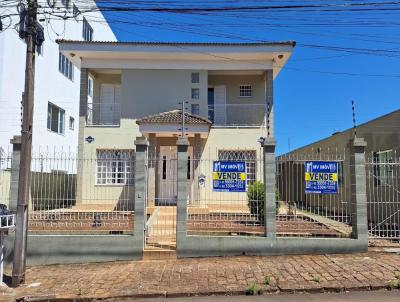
point(321, 177)
point(229, 176)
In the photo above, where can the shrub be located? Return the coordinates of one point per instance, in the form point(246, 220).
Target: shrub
point(256, 198)
point(267, 280)
point(392, 284)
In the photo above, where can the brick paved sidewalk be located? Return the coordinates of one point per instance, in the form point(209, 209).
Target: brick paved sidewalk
point(212, 276)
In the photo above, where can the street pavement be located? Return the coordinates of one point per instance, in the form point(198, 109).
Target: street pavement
point(377, 296)
point(213, 276)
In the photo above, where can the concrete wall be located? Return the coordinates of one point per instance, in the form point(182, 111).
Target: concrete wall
point(50, 84)
point(146, 92)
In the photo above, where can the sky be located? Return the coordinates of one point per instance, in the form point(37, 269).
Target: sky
point(341, 56)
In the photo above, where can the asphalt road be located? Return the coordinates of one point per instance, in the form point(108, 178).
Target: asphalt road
point(365, 296)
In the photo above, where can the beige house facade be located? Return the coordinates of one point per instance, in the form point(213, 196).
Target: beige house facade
point(223, 93)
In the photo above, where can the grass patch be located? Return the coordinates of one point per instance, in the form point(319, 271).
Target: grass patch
point(397, 275)
point(267, 280)
point(253, 290)
point(316, 278)
point(393, 284)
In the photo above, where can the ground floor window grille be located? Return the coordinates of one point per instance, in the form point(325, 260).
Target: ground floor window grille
point(248, 156)
point(383, 168)
point(115, 167)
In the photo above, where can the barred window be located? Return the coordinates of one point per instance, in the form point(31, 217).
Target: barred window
point(115, 167)
point(195, 78)
point(87, 31)
point(248, 156)
point(246, 91)
point(383, 168)
point(195, 109)
point(195, 93)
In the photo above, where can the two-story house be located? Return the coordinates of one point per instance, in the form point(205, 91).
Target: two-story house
point(226, 89)
point(57, 80)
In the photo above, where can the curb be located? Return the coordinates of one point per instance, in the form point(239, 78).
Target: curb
point(311, 290)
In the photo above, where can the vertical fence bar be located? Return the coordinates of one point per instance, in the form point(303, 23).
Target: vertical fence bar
point(182, 193)
point(270, 186)
point(358, 190)
point(141, 144)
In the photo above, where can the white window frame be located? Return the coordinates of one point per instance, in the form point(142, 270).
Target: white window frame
point(87, 30)
point(195, 109)
point(115, 167)
point(246, 91)
point(195, 77)
point(60, 118)
point(383, 171)
point(90, 86)
point(65, 66)
point(195, 93)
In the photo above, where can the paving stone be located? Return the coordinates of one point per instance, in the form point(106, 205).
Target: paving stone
point(207, 276)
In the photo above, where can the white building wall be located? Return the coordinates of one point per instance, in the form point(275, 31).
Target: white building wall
point(50, 85)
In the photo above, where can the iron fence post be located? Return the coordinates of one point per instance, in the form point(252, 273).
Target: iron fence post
point(269, 186)
point(182, 194)
point(358, 189)
point(141, 144)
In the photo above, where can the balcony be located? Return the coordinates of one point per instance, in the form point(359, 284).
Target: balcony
point(103, 114)
point(237, 115)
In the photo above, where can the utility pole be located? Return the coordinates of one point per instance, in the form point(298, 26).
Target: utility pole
point(21, 231)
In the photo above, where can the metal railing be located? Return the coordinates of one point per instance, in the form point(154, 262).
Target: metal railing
point(312, 214)
point(221, 206)
point(238, 115)
point(383, 197)
point(91, 194)
point(7, 221)
point(103, 114)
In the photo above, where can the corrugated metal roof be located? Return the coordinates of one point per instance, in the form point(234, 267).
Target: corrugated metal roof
point(173, 117)
point(289, 43)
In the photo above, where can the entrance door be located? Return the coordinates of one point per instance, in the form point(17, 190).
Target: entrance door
point(167, 176)
point(110, 97)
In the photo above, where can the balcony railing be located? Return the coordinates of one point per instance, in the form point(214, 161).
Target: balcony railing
point(237, 115)
point(103, 114)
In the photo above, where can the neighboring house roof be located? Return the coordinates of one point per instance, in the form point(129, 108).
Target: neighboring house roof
point(173, 117)
point(289, 43)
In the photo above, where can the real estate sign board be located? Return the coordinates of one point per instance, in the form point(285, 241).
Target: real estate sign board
point(321, 177)
point(229, 176)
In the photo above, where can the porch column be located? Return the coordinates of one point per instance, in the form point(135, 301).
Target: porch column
point(269, 99)
point(83, 104)
point(182, 193)
point(141, 144)
point(196, 161)
point(269, 186)
point(358, 190)
point(152, 165)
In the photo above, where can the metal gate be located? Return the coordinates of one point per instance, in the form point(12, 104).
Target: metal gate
point(383, 195)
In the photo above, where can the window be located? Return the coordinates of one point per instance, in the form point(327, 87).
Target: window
point(55, 118)
point(65, 66)
point(87, 31)
point(383, 168)
point(195, 109)
point(115, 167)
point(188, 169)
point(195, 93)
point(90, 86)
point(246, 91)
point(248, 156)
point(195, 77)
point(75, 11)
point(66, 3)
point(71, 123)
